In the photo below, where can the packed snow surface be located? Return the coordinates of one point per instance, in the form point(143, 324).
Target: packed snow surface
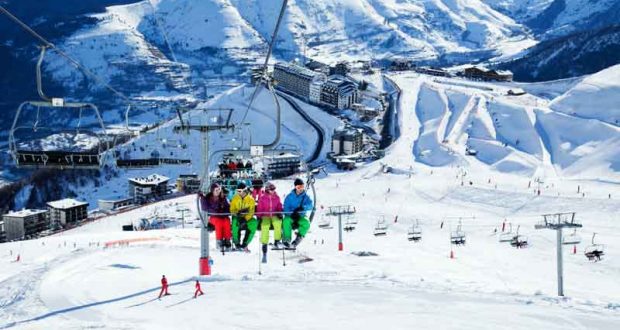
point(76, 280)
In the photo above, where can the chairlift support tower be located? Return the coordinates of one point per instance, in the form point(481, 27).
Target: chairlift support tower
point(339, 211)
point(219, 124)
point(557, 222)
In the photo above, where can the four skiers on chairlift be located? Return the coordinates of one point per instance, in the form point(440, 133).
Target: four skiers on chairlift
point(257, 209)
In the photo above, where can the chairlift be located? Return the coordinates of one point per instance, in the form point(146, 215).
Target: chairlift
point(458, 236)
point(519, 241)
point(380, 228)
point(350, 223)
point(415, 232)
point(572, 239)
point(30, 150)
point(594, 252)
point(506, 237)
point(325, 223)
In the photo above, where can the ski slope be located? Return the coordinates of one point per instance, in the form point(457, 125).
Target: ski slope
point(85, 277)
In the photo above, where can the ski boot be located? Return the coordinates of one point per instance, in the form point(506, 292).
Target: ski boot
point(277, 245)
point(286, 244)
point(296, 242)
point(264, 259)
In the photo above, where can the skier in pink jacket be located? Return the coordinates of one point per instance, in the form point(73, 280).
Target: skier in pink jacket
point(269, 210)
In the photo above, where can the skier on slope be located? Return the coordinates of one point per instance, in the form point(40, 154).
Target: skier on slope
point(296, 204)
point(270, 211)
point(164, 286)
point(217, 207)
point(198, 290)
point(242, 209)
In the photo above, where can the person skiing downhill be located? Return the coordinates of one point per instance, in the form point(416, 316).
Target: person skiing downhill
point(270, 211)
point(242, 208)
point(164, 286)
point(198, 290)
point(217, 207)
point(296, 204)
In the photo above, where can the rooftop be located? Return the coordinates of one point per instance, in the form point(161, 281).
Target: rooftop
point(153, 179)
point(24, 213)
point(66, 203)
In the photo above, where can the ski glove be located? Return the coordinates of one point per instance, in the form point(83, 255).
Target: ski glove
point(295, 216)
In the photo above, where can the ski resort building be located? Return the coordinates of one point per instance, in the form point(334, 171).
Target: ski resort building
point(25, 224)
point(188, 183)
point(297, 79)
point(2, 232)
point(486, 74)
point(281, 165)
point(339, 93)
point(67, 211)
point(114, 203)
point(347, 141)
point(144, 188)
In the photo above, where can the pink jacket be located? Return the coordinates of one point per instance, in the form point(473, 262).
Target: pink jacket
point(269, 205)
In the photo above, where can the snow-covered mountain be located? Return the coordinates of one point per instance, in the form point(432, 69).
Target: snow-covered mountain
point(577, 54)
point(520, 10)
point(563, 17)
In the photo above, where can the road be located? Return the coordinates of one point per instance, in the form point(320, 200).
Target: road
point(391, 130)
point(320, 132)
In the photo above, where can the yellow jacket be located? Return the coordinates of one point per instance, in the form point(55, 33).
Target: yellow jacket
point(237, 204)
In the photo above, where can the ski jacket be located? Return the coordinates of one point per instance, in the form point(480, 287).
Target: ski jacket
point(198, 285)
point(257, 193)
point(269, 205)
point(293, 201)
point(216, 205)
point(244, 205)
point(164, 282)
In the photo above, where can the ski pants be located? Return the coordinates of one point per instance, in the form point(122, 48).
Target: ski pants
point(222, 227)
point(164, 290)
point(266, 223)
point(287, 227)
point(239, 224)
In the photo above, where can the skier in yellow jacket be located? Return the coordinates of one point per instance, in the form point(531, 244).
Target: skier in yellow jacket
point(242, 208)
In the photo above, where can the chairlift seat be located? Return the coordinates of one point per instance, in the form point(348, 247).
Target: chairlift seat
point(519, 241)
point(594, 252)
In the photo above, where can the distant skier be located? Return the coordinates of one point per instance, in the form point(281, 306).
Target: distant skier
point(217, 206)
point(164, 286)
point(270, 211)
point(296, 204)
point(198, 290)
point(242, 208)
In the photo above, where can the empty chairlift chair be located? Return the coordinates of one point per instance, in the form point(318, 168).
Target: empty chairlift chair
point(39, 141)
point(415, 232)
point(380, 228)
point(458, 237)
point(594, 252)
point(572, 239)
point(506, 237)
point(325, 223)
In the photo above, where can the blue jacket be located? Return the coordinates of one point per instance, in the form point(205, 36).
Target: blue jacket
point(292, 201)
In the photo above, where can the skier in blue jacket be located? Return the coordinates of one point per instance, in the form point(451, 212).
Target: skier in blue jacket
point(296, 204)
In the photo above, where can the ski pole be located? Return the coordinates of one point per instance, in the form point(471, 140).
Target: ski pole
point(259, 261)
point(283, 258)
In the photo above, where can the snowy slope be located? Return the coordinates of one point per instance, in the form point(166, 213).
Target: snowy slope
point(596, 97)
point(72, 281)
point(526, 135)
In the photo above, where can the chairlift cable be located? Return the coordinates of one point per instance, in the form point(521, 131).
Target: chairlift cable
point(265, 65)
point(73, 61)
